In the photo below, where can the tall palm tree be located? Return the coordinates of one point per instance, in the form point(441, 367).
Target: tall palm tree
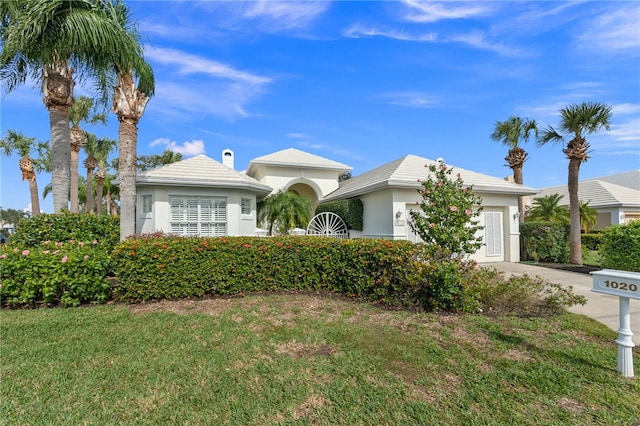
point(51, 41)
point(511, 132)
point(576, 122)
point(82, 111)
point(24, 146)
point(130, 97)
point(97, 150)
point(285, 210)
point(548, 209)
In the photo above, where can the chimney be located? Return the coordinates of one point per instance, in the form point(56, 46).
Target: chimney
point(227, 158)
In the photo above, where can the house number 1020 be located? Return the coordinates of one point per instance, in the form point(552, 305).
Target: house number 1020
point(621, 286)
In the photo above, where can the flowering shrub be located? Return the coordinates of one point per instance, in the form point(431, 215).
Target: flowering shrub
point(70, 273)
point(447, 220)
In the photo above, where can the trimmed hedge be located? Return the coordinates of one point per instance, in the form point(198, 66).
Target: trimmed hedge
point(64, 227)
point(620, 248)
point(592, 241)
point(351, 211)
point(545, 241)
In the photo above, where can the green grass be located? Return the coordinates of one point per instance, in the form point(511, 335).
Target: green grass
point(591, 258)
point(306, 359)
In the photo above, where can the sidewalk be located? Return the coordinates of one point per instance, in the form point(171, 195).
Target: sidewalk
point(601, 307)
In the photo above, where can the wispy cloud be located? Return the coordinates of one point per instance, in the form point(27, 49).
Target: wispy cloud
point(192, 64)
point(431, 11)
point(295, 135)
point(613, 32)
point(187, 148)
point(358, 31)
point(479, 40)
point(410, 99)
point(277, 15)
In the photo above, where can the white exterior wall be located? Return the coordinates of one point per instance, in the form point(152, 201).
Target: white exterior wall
point(380, 208)
point(281, 178)
point(159, 219)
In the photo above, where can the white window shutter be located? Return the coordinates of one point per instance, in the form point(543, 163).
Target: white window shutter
point(493, 233)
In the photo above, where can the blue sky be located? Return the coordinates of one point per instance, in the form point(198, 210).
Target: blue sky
point(365, 83)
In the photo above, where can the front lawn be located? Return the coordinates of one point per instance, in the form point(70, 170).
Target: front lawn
point(306, 359)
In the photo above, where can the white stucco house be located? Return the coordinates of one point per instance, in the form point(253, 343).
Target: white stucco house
point(616, 197)
point(201, 196)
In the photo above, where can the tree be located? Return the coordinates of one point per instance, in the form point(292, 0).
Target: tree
point(448, 215)
point(12, 216)
point(548, 209)
point(24, 147)
point(576, 122)
point(97, 150)
point(285, 210)
point(50, 41)
point(146, 162)
point(511, 132)
point(135, 88)
point(588, 217)
point(80, 112)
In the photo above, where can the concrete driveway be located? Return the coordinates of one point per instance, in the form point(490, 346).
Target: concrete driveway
point(601, 307)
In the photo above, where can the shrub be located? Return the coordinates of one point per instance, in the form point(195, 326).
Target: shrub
point(545, 241)
point(31, 232)
point(351, 211)
point(592, 241)
point(620, 247)
point(448, 216)
point(69, 273)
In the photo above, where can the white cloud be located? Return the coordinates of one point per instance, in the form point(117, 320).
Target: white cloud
point(410, 99)
point(278, 15)
point(614, 31)
point(187, 148)
point(478, 40)
point(295, 135)
point(192, 64)
point(430, 11)
point(358, 31)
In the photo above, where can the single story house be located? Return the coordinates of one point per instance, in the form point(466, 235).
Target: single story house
point(616, 197)
point(201, 196)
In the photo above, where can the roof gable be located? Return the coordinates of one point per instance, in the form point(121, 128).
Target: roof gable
point(630, 179)
point(292, 157)
point(406, 172)
point(597, 193)
point(199, 171)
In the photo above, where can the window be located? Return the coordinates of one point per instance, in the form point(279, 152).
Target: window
point(493, 233)
point(147, 203)
point(245, 206)
point(199, 216)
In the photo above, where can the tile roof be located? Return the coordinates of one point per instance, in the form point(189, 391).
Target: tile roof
point(200, 171)
point(629, 179)
point(598, 193)
point(292, 157)
point(405, 172)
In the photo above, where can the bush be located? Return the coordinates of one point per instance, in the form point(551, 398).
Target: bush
point(620, 247)
point(545, 241)
point(31, 232)
point(351, 211)
point(68, 273)
point(591, 241)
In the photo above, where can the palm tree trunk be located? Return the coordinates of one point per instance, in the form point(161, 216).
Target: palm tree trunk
point(517, 178)
point(60, 157)
point(128, 134)
point(35, 199)
point(73, 182)
point(100, 177)
point(575, 244)
point(89, 190)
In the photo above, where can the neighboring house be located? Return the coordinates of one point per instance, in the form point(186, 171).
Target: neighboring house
point(293, 170)
point(389, 192)
point(616, 198)
point(201, 196)
point(198, 196)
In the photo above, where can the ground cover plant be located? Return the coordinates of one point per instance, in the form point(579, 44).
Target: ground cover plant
point(306, 359)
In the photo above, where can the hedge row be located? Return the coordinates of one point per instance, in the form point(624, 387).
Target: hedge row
point(175, 267)
point(545, 241)
point(351, 211)
point(620, 247)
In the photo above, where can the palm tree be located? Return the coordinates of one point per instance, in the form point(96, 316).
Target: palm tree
point(50, 41)
point(24, 146)
point(548, 209)
point(97, 150)
point(135, 88)
point(588, 217)
point(285, 210)
point(79, 112)
point(146, 162)
point(577, 121)
point(511, 132)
